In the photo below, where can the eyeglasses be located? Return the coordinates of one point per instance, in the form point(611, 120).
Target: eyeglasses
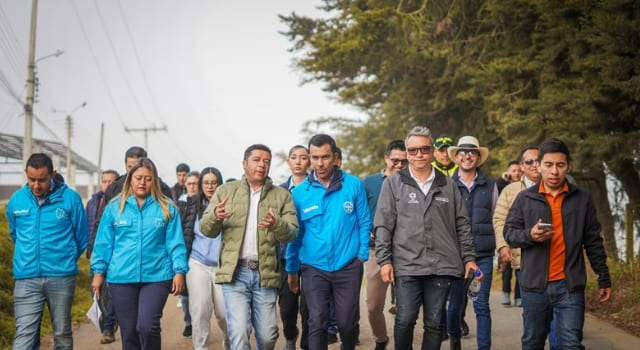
point(530, 162)
point(397, 161)
point(469, 152)
point(414, 150)
point(209, 183)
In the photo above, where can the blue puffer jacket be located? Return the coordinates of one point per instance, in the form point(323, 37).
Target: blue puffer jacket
point(334, 223)
point(49, 238)
point(138, 245)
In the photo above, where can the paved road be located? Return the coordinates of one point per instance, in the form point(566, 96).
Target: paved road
point(507, 329)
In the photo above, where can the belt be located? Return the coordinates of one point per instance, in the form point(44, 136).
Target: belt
point(250, 264)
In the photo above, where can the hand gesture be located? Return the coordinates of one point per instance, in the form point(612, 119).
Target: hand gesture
point(268, 220)
point(220, 211)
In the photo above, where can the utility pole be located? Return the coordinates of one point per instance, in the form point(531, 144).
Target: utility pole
point(69, 123)
point(146, 133)
point(27, 145)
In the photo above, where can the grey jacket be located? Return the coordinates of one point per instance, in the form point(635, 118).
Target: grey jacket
point(422, 235)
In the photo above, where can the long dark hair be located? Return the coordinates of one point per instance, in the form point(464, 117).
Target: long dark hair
point(202, 202)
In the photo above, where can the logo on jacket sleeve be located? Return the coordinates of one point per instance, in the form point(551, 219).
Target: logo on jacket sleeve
point(412, 198)
point(61, 213)
point(348, 207)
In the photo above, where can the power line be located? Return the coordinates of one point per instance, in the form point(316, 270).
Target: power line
point(95, 60)
point(119, 64)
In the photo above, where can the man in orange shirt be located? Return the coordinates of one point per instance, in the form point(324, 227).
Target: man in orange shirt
point(551, 222)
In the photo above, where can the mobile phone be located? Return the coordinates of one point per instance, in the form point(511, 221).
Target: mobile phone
point(545, 227)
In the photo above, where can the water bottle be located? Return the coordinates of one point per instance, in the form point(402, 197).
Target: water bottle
point(474, 286)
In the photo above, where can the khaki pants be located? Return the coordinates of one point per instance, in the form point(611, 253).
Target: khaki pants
point(376, 294)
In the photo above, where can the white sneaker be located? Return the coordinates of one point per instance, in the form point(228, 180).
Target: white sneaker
point(506, 300)
point(179, 303)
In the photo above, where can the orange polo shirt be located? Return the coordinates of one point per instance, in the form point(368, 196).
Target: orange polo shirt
point(557, 248)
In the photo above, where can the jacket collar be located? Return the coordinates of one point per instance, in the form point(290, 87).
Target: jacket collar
point(439, 181)
point(335, 183)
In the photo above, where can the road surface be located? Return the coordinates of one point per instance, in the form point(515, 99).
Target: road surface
point(506, 331)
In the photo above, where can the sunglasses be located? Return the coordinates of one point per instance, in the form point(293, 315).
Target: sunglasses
point(530, 162)
point(470, 152)
point(414, 150)
point(397, 161)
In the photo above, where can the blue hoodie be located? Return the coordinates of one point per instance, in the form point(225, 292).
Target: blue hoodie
point(138, 245)
point(334, 223)
point(49, 237)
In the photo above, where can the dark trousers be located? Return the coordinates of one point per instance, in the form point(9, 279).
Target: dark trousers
point(139, 310)
point(344, 286)
point(506, 281)
point(288, 302)
point(430, 292)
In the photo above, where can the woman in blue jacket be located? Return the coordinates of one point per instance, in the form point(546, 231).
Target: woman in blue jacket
point(140, 246)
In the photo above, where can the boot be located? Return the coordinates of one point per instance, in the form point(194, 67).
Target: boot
point(455, 344)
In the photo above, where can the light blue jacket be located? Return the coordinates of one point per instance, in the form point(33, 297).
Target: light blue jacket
point(139, 246)
point(49, 237)
point(334, 223)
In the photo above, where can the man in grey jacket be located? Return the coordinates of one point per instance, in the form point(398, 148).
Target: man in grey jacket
point(423, 240)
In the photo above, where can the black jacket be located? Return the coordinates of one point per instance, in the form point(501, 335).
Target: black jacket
point(581, 230)
point(189, 210)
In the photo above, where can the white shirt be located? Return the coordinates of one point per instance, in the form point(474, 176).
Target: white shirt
point(249, 249)
point(424, 186)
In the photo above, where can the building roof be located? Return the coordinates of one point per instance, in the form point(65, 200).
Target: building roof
point(11, 147)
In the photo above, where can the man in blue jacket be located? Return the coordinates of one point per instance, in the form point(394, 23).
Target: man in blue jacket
point(48, 226)
point(332, 244)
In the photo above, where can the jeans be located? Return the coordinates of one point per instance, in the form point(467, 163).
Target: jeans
point(247, 304)
point(139, 310)
point(108, 319)
point(184, 301)
point(457, 296)
point(412, 292)
point(481, 305)
point(557, 303)
point(205, 299)
point(344, 287)
point(29, 297)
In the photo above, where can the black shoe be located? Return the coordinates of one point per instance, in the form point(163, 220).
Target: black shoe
point(187, 332)
point(381, 346)
point(332, 338)
point(464, 328)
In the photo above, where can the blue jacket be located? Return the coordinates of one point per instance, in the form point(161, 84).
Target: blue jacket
point(138, 245)
point(49, 238)
point(334, 223)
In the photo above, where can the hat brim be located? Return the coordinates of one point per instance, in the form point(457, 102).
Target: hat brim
point(484, 153)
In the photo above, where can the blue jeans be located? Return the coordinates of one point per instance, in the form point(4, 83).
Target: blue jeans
point(412, 292)
point(481, 305)
point(29, 297)
point(553, 341)
point(557, 303)
point(247, 304)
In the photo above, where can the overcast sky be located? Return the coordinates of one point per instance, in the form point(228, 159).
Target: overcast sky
point(216, 73)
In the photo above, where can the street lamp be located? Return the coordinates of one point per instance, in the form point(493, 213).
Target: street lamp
point(70, 178)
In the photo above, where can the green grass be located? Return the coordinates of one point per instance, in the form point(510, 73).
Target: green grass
point(81, 303)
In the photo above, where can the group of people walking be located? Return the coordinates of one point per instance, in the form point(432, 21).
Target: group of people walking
point(422, 224)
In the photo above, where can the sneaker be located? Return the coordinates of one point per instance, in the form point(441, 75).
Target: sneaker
point(519, 302)
point(332, 338)
point(289, 344)
point(107, 338)
point(187, 332)
point(392, 310)
point(179, 304)
point(506, 300)
point(381, 346)
point(464, 328)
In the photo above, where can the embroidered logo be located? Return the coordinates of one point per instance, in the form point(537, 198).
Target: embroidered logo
point(20, 212)
point(348, 207)
point(412, 198)
point(442, 199)
point(159, 222)
point(313, 207)
point(60, 213)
